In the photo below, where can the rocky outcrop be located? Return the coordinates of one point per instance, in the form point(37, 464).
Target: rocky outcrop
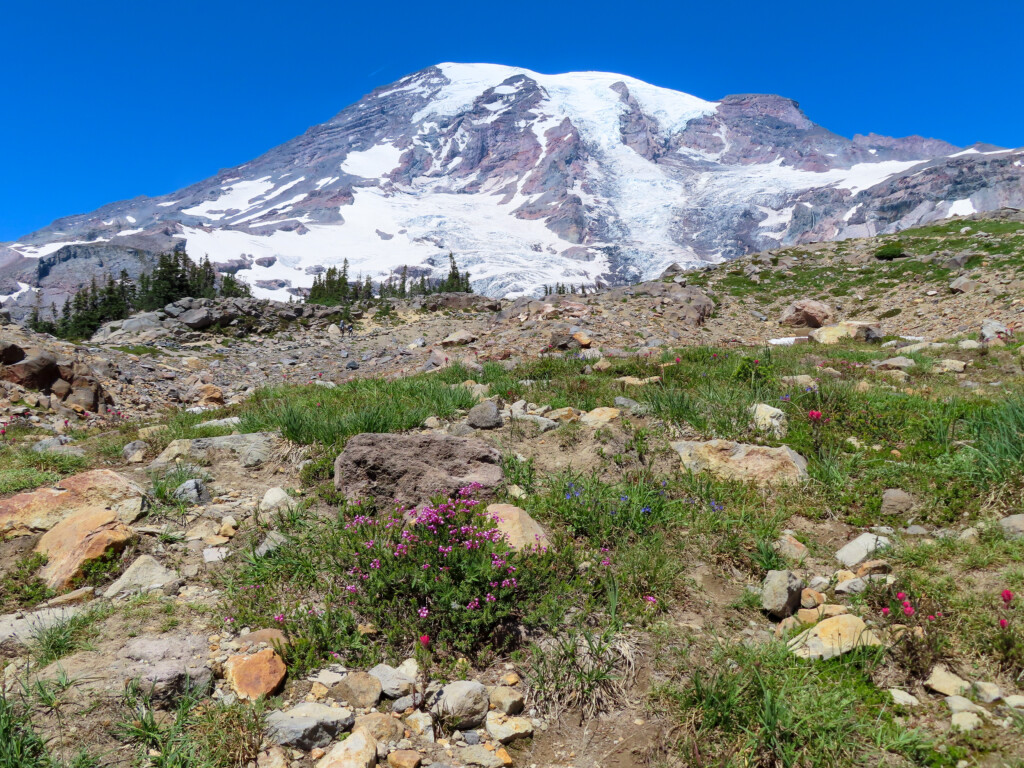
point(99, 489)
point(737, 461)
point(414, 468)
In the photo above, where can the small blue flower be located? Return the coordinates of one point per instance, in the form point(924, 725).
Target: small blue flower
point(646, 510)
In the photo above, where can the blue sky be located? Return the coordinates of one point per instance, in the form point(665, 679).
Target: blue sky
point(109, 100)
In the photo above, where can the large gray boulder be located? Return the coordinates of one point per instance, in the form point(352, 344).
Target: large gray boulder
point(414, 468)
point(780, 593)
point(308, 725)
point(462, 704)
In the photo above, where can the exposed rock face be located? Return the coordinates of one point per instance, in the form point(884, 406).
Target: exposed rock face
point(616, 179)
point(850, 329)
point(737, 461)
point(41, 510)
point(807, 313)
point(80, 538)
point(833, 637)
point(413, 468)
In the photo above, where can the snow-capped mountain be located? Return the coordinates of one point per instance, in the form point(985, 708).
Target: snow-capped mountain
point(529, 179)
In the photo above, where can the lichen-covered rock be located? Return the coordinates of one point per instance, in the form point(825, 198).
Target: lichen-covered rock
point(727, 460)
point(413, 468)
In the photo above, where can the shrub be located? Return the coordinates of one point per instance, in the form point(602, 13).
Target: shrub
point(449, 573)
point(890, 251)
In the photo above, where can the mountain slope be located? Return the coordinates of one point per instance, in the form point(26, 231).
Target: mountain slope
point(531, 179)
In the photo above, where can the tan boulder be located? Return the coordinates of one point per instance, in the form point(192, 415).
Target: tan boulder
point(833, 637)
point(82, 537)
point(404, 758)
point(380, 727)
point(807, 313)
point(40, 510)
point(599, 417)
point(254, 675)
point(359, 750)
point(521, 531)
point(941, 680)
point(849, 329)
point(209, 395)
point(739, 461)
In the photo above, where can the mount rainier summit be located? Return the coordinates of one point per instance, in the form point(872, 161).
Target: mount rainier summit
point(530, 179)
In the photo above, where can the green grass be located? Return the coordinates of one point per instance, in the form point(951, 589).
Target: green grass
point(66, 636)
point(23, 469)
point(20, 587)
point(761, 706)
point(312, 414)
point(195, 734)
point(20, 745)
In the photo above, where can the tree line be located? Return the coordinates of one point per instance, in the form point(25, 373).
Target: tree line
point(336, 289)
point(175, 277)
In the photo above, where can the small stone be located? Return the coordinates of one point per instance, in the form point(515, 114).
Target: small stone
point(510, 678)
point(811, 598)
point(380, 726)
point(359, 689)
point(896, 502)
point(308, 725)
point(404, 758)
point(463, 703)
point(507, 700)
point(1013, 526)
point(192, 492)
point(359, 750)
point(941, 680)
point(966, 721)
point(903, 699)
point(275, 499)
point(987, 692)
point(873, 568)
point(780, 593)
point(861, 548)
point(252, 676)
point(485, 415)
point(393, 683)
point(599, 417)
point(963, 704)
point(833, 637)
point(505, 729)
point(790, 548)
point(421, 724)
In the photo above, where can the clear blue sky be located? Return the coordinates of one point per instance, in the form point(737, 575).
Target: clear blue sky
point(108, 100)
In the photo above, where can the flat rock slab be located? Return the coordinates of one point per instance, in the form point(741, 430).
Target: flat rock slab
point(251, 450)
point(165, 667)
point(833, 637)
point(739, 461)
point(414, 468)
point(20, 627)
point(82, 537)
point(861, 548)
point(40, 510)
point(143, 574)
point(308, 725)
point(850, 329)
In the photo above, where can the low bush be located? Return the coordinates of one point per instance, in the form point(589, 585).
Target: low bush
point(448, 574)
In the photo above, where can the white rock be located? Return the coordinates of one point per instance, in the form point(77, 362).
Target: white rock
point(903, 698)
point(861, 548)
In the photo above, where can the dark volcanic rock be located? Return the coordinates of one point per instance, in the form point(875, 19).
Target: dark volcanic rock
point(413, 468)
